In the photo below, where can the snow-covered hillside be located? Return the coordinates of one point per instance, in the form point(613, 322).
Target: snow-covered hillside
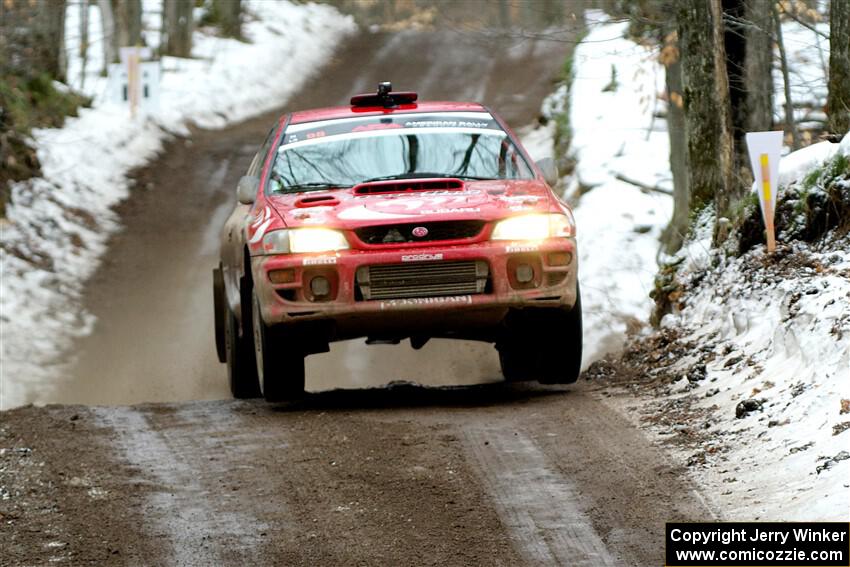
point(57, 226)
point(750, 381)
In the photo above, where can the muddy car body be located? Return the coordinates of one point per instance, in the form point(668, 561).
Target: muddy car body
point(392, 220)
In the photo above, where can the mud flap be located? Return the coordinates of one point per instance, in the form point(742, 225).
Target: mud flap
point(219, 312)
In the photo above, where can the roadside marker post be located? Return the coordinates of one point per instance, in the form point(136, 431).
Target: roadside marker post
point(135, 82)
point(765, 149)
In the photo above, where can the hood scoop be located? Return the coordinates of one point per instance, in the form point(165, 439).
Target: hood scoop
point(317, 201)
point(408, 186)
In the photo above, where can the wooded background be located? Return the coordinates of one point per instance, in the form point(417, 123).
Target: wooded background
point(719, 57)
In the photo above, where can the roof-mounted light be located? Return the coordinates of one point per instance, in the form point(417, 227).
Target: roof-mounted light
point(384, 97)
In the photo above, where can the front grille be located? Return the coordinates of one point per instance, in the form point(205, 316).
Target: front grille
point(403, 233)
point(422, 279)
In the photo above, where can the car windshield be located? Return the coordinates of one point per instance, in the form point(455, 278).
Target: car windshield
point(346, 153)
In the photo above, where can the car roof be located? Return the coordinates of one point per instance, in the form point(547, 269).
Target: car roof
point(318, 114)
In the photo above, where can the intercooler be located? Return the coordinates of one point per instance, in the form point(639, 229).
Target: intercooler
point(422, 279)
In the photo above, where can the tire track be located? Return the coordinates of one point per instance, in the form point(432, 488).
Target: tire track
point(188, 504)
point(537, 504)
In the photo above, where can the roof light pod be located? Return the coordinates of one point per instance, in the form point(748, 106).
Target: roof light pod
point(384, 97)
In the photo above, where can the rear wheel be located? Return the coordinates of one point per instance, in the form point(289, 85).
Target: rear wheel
point(544, 345)
point(280, 360)
point(239, 352)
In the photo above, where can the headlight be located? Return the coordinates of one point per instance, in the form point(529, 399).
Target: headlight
point(533, 227)
point(303, 240)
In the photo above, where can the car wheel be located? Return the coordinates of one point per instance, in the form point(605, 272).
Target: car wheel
point(280, 360)
point(219, 315)
point(513, 368)
point(239, 353)
point(560, 361)
point(544, 345)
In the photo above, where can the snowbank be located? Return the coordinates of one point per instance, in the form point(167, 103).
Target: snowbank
point(777, 333)
point(57, 226)
point(785, 343)
point(752, 333)
point(613, 103)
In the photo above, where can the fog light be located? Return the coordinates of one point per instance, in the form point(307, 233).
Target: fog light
point(320, 286)
point(560, 258)
point(524, 273)
point(282, 276)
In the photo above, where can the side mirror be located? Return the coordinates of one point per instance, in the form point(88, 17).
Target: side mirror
point(246, 190)
point(550, 170)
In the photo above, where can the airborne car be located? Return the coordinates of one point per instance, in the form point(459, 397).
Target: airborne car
point(393, 219)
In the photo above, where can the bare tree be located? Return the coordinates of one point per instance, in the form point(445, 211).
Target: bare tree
point(730, 93)
point(703, 119)
point(84, 40)
point(838, 100)
point(110, 55)
point(177, 28)
point(128, 23)
point(759, 66)
point(228, 13)
point(675, 232)
point(790, 123)
point(32, 38)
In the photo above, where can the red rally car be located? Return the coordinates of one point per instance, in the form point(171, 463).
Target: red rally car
point(394, 219)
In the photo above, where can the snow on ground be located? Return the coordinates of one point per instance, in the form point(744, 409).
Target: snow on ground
point(57, 226)
point(779, 340)
point(784, 341)
point(612, 104)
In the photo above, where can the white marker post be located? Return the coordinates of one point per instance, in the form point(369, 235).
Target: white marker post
point(765, 150)
point(131, 59)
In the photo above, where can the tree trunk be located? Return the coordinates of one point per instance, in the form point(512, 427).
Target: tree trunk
point(551, 12)
point(702, 113)
point(32, 39)
point(53, 12)
point(759, 66)
point(734, 33)
point(229, 13)
point(178, 25)
point(504, 15)
point(675, 232)
point(128, 24)
point(790, 123)
point(838, 100)
point(728, 191)
point(84, 41)
point(107, 18)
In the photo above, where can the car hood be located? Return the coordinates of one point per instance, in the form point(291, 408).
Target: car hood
point(346, 208)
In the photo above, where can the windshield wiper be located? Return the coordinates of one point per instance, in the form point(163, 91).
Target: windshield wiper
point(426, 175)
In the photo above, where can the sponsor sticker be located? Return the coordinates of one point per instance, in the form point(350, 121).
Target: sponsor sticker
point(424, 301)
point(319, 261)
point(450, 211)
point(421, 257)
point(514, 248)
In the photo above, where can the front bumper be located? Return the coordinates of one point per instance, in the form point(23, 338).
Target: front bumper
point(350, 313)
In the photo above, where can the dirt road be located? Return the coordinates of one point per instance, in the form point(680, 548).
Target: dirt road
point(482, 475)
point(479, 475)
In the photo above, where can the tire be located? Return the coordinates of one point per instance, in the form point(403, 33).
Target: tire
point(552, 366)
point(513, 368)
point(544, 345)
point(279, 360)
point(220, 315)
point(239, 353)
